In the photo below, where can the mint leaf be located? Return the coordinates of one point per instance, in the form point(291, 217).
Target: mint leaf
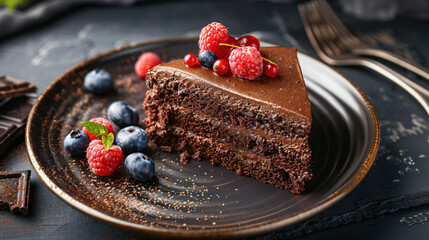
point(95, 128)
point(107, 141)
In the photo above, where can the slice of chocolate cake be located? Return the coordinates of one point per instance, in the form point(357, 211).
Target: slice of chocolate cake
point(258, 128)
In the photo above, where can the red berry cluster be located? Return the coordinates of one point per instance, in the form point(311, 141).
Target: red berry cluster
point(103, 159)
point(145, 62)
point(241, 56)
point(102, 121)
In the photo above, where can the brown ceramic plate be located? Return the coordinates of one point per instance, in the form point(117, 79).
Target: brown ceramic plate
point(198, 199)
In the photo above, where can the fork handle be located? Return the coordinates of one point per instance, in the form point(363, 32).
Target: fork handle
point(394, 58)
point(418, 92)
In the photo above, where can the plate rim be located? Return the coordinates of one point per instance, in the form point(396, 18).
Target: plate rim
point(259, 228)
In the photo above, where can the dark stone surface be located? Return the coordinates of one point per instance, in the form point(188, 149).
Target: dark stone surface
point(400, 172)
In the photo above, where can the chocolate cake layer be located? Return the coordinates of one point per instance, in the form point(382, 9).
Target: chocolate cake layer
point(257, 128)
point(219, 104)
point(183, 130)
point(277, 173)
point(257, 142)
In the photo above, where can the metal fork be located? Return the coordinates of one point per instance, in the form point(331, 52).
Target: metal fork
point(327, 45)
point(357, 47)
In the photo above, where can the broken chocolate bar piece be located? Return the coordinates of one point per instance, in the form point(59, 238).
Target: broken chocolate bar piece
point(14, 87)
point(15, 191)
point(13, 116)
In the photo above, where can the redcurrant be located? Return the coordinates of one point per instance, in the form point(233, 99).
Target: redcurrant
point(231, 40)
point(191, 60)
point(270, 69)
point(248, 40)
point(221, 66)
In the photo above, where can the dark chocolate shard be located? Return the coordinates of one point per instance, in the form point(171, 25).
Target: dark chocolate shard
point(15, 191)
point(14, 87)
point(13, 116)
point(7, 135)
point(16, 110)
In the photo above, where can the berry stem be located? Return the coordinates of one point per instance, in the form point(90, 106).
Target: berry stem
point(230, 45)
point(269, 61)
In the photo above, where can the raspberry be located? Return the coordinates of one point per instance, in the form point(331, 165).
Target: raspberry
point(210, 38)
point(103, 121)
point(145, 62)
point(246, 63)
point(103, 162)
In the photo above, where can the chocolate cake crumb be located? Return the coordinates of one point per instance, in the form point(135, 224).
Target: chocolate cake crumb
point(166, 148)
point(197, 156)
point(184, 157)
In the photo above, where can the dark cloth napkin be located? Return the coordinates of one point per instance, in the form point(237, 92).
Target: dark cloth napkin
point(41, 11)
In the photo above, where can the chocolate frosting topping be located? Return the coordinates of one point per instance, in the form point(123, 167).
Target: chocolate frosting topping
point(285, 93)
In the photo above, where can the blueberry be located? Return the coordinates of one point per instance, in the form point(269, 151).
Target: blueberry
point(132, 139)
point(207, 58)
point(98, 81)
point(139, 166)
point(122, 114)
point(76, 143)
